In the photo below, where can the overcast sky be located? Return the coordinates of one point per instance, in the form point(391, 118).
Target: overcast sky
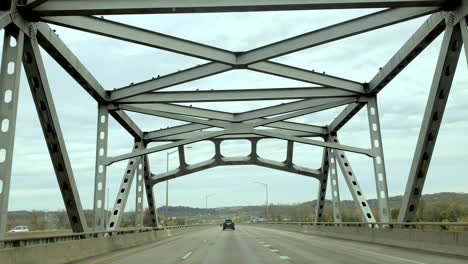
point(116, 63)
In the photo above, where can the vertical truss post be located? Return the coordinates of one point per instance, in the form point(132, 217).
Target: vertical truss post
point(378, 159)
point(353, 184)
point(181, 152)
point(464, 31)
point(322, 190)
point(100, 214)
point(149, 193)
point(139, 193)
point(334, 186)
point(124, 190)
point(438, 95)
point(9, 88)
point(289, 152)
point(42, 96)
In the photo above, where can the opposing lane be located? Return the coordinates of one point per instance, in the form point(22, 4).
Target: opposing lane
point(251, 244)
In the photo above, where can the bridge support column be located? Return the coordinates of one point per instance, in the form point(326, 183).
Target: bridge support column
point(438, 95)
point(353, 184)
point(124, 190)
point(100, 174)
point(42, 96)
point(379, 161)
point(322, 190)
point(9, 88)
point(464, 31)
point(150, 197)
point(334, 186)
point(139, 192)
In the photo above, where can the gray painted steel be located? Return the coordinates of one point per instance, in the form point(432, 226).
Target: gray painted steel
point(9, 88)
point(147, 97)
point(435, 107)
point(100, 174)
point(42, 96)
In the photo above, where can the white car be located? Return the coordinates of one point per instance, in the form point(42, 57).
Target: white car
point(19, 229)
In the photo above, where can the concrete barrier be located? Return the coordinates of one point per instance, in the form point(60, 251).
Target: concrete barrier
point(64, 252)
point(448, 242)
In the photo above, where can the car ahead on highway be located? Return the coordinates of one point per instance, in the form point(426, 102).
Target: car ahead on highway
point(19, 229)
point(228, 224)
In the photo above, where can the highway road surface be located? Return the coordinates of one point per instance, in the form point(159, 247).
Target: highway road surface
point(252, 244)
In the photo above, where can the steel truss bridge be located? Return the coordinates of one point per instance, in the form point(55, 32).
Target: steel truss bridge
point(26, 28)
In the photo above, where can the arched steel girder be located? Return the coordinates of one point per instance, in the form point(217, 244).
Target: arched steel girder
point(230, 161)
point(252, 159)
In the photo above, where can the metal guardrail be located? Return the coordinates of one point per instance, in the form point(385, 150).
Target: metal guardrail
point(47, 239)
point(405, 225)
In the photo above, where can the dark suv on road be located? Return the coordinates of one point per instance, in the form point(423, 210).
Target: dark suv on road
point(228, 224)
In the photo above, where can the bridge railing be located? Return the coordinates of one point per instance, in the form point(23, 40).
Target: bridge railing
point(48, 239)
point(391, 225)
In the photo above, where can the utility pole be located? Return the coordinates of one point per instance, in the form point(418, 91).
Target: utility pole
point(266, 191)
point(167, 185)
point(206, 203)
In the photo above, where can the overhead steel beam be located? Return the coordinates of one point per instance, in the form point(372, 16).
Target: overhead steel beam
point(108, 7)
point(185, 110)
point(50, 124)
point(345, 115)
point(5, 19)
point(55, 47)
point(237, 136)
point(145, 37)
point(334, 32)
point(237, 95)
point(51, 42)
point(424, 36)
point(164, 147)
point(148, 110)
point(289, 107)
point(232, 161)
point(154, 39)
point(127, 123)
point(299, 74)
point(438, 95)
point(180, 77)
point(10, 73)
point(432, 28)
point(314, 109)
point(366, 152)
point(284, 125)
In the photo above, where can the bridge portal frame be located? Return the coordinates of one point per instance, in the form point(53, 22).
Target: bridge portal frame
point(26, 28)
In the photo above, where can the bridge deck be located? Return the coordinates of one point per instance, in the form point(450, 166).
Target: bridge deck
point(251, 244)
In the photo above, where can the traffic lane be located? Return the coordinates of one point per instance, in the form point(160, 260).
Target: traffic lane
point(168, 250)
point(210, 245)
point(307, 248)
point(234, 247)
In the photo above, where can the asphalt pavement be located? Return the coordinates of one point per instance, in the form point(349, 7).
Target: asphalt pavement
point(253, 244)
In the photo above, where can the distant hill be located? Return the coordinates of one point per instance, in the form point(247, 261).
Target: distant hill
point(438, 207)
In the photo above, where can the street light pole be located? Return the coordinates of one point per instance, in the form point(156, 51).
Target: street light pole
point(206, 203)
point(266, 191)
point(167, 185)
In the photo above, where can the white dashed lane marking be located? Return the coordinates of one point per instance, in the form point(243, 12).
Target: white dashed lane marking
point(284, 257)
point(187, 255)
